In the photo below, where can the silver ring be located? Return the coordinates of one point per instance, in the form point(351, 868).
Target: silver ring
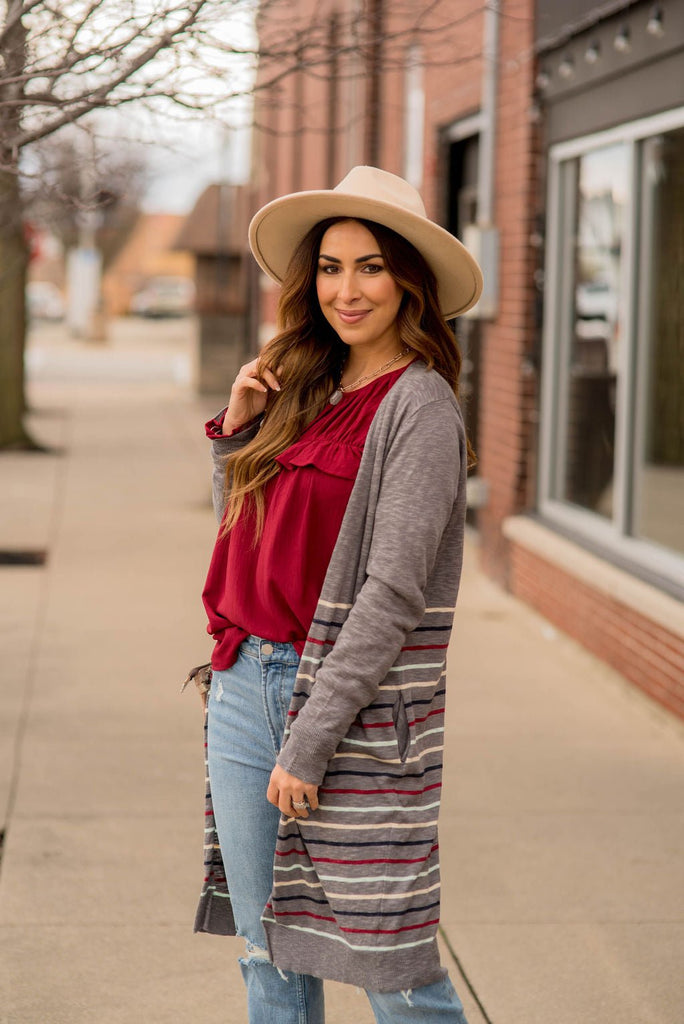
point(300, 806)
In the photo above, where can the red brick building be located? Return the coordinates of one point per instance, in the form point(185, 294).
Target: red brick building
point(472, 103)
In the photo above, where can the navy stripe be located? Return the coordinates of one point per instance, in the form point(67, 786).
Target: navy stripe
point(430, 629)
point(385, 913)
point(336, 842)
point(407, 704)
point(359, 913)
point(326, 622)
point(385, 775)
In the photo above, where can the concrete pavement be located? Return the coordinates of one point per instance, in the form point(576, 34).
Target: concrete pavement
point(563, 819)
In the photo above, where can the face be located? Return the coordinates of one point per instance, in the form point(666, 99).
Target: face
point(358, 296)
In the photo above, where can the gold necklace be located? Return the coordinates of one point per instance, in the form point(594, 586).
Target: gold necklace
point(340, 390)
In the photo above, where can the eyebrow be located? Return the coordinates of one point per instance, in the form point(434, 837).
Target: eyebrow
point(361, 259)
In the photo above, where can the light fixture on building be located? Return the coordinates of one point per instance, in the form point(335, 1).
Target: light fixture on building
point(622, 41)
point(592, 52)
point(566, 68)
point(654, 25)
point(543, 78)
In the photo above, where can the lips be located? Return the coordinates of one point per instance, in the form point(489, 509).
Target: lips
point(350, 317)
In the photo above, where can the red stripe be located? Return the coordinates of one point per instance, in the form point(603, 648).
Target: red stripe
point(321, 643)
point(426, 647)
point(380, 860)
point(286, 853)
point(387, 725)
point(353, 931)
point(372, 792)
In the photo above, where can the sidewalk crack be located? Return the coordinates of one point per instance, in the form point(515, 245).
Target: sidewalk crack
point(466, 980)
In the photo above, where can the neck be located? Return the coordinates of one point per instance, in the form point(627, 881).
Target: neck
point(360, 363)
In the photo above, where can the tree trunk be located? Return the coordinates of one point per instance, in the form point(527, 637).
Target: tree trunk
point(13, 263)
point(13, 248)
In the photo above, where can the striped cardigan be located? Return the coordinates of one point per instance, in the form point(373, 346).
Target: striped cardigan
point(356, 885)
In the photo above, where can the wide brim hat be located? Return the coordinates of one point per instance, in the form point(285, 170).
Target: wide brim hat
point(368, 193)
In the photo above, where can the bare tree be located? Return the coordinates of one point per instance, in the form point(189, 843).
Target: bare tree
point(59, 62)
point(62, 61)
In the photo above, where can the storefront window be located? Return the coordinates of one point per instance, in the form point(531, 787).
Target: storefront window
point(612, 459)
point(659, 462)
point(596, 334)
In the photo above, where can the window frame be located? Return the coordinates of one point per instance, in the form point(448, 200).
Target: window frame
point(611, 535)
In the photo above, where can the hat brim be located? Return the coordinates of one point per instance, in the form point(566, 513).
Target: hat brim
point(278, 228)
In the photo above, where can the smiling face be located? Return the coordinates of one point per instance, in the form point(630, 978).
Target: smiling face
point(358, 296)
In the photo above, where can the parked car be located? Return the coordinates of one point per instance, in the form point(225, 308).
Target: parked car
point(44, 301)
point(164, 296)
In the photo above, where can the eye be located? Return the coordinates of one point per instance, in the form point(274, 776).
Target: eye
point(373, 268)
point(328, 268)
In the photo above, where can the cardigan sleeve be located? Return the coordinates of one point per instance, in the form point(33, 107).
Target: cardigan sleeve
point(422, 473)
point(221, 448)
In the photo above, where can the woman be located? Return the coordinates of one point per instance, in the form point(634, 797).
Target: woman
point(339, 479)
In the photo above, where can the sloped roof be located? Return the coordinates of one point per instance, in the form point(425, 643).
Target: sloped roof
point(218, 222)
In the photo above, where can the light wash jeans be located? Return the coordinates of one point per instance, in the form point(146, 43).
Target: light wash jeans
point(248, 706)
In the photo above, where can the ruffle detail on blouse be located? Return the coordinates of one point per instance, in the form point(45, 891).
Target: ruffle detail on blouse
point(337, 458)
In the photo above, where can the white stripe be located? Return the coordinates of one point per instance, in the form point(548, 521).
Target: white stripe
point(378, 878)
point(417, 664)
point(329, 604)
point(211, 890)
point(390, 760)
point(418, 684)
point(369, 810)
point(303, 675)
point(355, 896)
point(349, 945)
point(440, 609)
point(392, 742)
point(381, 824)
point(316, 661)
point(299, 881)
point(384, 896)
point(292, 867)
point(373, 743)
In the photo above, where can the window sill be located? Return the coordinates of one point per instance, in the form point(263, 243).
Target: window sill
point(569, 556)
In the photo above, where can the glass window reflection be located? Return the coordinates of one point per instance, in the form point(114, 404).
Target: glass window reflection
point(596, 334)
point(659, 457)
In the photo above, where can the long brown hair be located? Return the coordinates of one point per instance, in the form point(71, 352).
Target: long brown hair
point(309, 357)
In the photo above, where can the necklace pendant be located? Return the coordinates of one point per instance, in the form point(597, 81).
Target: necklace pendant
point(336, 397)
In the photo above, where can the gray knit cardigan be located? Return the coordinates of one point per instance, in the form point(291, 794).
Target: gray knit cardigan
point(356, 885)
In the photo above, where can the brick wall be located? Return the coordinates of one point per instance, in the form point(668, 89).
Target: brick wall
point(646, 653)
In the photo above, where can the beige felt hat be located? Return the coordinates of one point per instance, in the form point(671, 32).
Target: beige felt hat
point(370, 194)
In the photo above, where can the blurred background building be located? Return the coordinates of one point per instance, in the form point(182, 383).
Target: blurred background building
point(550, 138)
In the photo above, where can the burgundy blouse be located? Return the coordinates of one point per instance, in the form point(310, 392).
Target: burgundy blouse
point(271, 589)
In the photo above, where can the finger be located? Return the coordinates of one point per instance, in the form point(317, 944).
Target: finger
point(250, 369)
point(250, 382)
point(299, 812)
point(270, 378)
point(273, 794)
point(285, 805)
point(312, 797)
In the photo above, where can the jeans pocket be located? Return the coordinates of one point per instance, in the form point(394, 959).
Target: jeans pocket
point(401, 727)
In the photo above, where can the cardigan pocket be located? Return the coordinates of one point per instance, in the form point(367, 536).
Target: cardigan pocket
point(401, 727)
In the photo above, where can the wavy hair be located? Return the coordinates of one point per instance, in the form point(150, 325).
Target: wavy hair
point(309, 357)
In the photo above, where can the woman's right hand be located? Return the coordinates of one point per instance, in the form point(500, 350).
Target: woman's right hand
point(248, 395)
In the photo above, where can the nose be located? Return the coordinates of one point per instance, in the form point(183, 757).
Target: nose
point(348, 286)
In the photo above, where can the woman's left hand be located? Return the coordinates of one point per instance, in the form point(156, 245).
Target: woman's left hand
point(285, 791)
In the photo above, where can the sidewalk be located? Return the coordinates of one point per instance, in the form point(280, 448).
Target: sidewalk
point(562, 826)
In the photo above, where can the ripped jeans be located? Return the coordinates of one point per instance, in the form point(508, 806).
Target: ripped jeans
point(248, 707)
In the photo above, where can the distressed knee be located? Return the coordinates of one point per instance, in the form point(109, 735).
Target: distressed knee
point(256, 956)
